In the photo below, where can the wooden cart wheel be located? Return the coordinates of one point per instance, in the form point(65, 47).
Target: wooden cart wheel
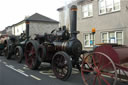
point(101, 70)
point(19, 54)
point(31, 56)
point(61, 65)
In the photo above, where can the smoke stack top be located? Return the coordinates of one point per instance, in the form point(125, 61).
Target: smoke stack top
point(73, 8)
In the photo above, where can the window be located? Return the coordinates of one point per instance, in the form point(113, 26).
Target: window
point(119, 38)
point(116, 4)
point(89, 40)
point(104, 37)
point(112, 37)
point(87, 10)
point(107, 6)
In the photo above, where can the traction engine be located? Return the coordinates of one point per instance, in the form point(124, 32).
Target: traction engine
point(59, 48)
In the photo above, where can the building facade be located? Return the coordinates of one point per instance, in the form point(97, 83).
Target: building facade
point(8, 30)
point(108, 17)
point(39, 24)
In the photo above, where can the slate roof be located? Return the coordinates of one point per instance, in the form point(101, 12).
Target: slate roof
point(39, 17)
point(3, 31)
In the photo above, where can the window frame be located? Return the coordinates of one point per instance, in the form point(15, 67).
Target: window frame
point(102, 37)
point(115, 35)
point(88, 11)
point(89, 34)
point(112, 10)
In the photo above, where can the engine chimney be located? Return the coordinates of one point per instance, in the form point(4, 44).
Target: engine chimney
point(27, 29)
point(73, 22)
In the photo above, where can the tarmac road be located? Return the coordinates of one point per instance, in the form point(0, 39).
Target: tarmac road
point(12, 73)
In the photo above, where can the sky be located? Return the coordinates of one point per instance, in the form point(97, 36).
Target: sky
point(13, 11)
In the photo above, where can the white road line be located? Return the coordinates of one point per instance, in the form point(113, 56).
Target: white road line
point(5, 63)
point(75, 69)
point(26, 68)
point(52, 76)
point(41, 72)
point(75, 72)
point(12, 67)
point(35, 77)
point(25, 65)
point(117, 78)
point(20, 70)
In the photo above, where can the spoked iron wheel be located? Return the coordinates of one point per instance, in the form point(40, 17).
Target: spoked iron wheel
point(31, 56)
point(19, 54)
point(7, 52)
point(101, 70)
point(42, 53)
point(61, 65)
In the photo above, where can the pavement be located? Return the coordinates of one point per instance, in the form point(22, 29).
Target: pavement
point(13, 73)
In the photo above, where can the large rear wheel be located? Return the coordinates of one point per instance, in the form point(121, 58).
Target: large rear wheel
point(100, 68)
point(61, 65)
point(31, 56)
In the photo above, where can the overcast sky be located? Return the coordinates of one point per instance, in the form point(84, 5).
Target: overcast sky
point(13, 11)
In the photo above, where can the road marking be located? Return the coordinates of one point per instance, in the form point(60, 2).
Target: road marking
point(20, 70)
point(0, 60)
point(26, 68)
point(5, 63)
point(75, 72)
point(52, 77)
point(117, 78)
point(75, 69)
point(35, 77)
point(12, 67)
point(41, 72)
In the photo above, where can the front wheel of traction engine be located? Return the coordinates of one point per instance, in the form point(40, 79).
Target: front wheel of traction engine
point(7, 52)
point(19, 54)
point(31, 54)
point(61, 65)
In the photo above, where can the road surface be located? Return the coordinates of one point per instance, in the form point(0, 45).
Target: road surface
point(12, 73)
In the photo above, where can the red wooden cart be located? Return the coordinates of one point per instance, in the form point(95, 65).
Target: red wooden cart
point(104, 65)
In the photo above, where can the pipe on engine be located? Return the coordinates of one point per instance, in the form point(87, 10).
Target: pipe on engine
point(73, 22)
point(27, 29)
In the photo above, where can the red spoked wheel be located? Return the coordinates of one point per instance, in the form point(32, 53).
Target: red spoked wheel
point(100, 68)
point(31, 56)
point(61, 65)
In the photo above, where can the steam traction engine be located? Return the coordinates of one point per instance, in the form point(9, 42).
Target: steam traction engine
point(60, 48)
point(15, 45)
